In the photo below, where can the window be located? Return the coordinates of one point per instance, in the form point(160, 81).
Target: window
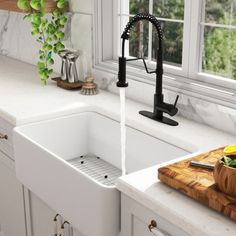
point(199, 45)
point(219, 38)
point(144, 41)
point(200, 36)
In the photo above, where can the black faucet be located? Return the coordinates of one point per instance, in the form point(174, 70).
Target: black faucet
point(160, 106)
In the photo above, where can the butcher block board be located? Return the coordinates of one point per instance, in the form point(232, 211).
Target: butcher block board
point(199, 183)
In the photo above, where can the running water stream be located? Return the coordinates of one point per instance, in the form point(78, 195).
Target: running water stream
point(122, 130)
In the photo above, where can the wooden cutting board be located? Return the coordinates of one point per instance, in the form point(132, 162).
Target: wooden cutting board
point(199, 183)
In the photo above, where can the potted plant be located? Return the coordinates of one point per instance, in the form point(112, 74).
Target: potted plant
point(49, 30)
point(225, 174)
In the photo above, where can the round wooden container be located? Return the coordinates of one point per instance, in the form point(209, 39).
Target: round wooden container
point(225, 178)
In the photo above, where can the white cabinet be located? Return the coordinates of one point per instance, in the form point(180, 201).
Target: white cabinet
point(136, 220)
point(21, 212)
point(12, 215)
point(40, 217)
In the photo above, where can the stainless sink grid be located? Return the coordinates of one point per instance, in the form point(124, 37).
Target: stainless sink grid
point(96, 168)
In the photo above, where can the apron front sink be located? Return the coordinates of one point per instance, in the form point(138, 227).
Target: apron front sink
point(72, 163)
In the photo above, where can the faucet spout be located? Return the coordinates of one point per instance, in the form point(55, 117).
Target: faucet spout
point(125, 36)
point(122, 73)
point(160, 106)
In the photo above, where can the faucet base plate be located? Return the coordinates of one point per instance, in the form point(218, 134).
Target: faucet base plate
point(163, 120)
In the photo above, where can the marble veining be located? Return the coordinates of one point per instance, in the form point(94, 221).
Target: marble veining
point(4, 19)
point(192, 108)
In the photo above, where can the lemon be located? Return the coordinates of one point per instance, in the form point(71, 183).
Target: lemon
point(230, 150)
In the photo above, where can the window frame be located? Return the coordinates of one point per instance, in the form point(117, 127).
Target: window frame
point(188, 80)
point(181, 71)
point(196, 45)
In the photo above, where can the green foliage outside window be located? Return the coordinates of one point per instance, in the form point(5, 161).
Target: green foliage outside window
point(219, 55)
point(219, 44)
point(173, 32)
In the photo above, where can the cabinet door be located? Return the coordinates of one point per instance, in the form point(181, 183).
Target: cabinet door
point(12, 215)
point(135, 221)
point(41, 217)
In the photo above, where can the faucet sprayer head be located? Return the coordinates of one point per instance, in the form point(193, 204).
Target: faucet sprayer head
point(122, 73)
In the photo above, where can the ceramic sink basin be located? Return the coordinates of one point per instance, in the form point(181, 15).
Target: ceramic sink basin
point(48, 154)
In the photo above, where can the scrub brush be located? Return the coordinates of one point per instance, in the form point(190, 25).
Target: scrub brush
point(89, 87)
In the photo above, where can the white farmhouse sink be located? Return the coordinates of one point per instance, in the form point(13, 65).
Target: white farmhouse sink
point(45, 155)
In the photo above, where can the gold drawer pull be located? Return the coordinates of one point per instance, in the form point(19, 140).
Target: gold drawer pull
point(3, 136)
point(153, 228)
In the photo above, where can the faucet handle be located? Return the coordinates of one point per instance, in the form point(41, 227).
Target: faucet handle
point(176, 100)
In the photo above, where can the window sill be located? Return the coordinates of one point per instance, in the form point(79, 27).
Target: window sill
point(181, 85)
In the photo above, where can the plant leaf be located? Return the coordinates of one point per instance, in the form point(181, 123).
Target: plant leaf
point(35, 32)
point(35, 4)
point(60, 35)
point(61, 4)
point(23, 5)
point(41, 65)
point(227, 160)
point(56, 13)
point(63, 20)
point(50, 61)
point(36, 19)
point(233, 163)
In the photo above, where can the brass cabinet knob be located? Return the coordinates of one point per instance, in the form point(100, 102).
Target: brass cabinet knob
point(153, 229)
point(152, 225)
point(3, 136)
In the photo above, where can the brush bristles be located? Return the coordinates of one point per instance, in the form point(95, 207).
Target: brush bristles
point(91, 91)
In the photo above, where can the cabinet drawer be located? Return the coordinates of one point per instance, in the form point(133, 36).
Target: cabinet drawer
point(6, 143)
point(136, 220)
point(141, 228)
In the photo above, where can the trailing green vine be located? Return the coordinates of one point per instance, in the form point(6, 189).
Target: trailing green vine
point(49, 31)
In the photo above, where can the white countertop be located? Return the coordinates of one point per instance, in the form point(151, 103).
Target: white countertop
point(189, 215)
point(23, 100)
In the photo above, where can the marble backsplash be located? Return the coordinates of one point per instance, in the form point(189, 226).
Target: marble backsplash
point(16, 41)
point(192, 108)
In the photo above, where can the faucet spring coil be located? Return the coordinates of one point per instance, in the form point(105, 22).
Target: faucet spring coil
point(142, 16)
